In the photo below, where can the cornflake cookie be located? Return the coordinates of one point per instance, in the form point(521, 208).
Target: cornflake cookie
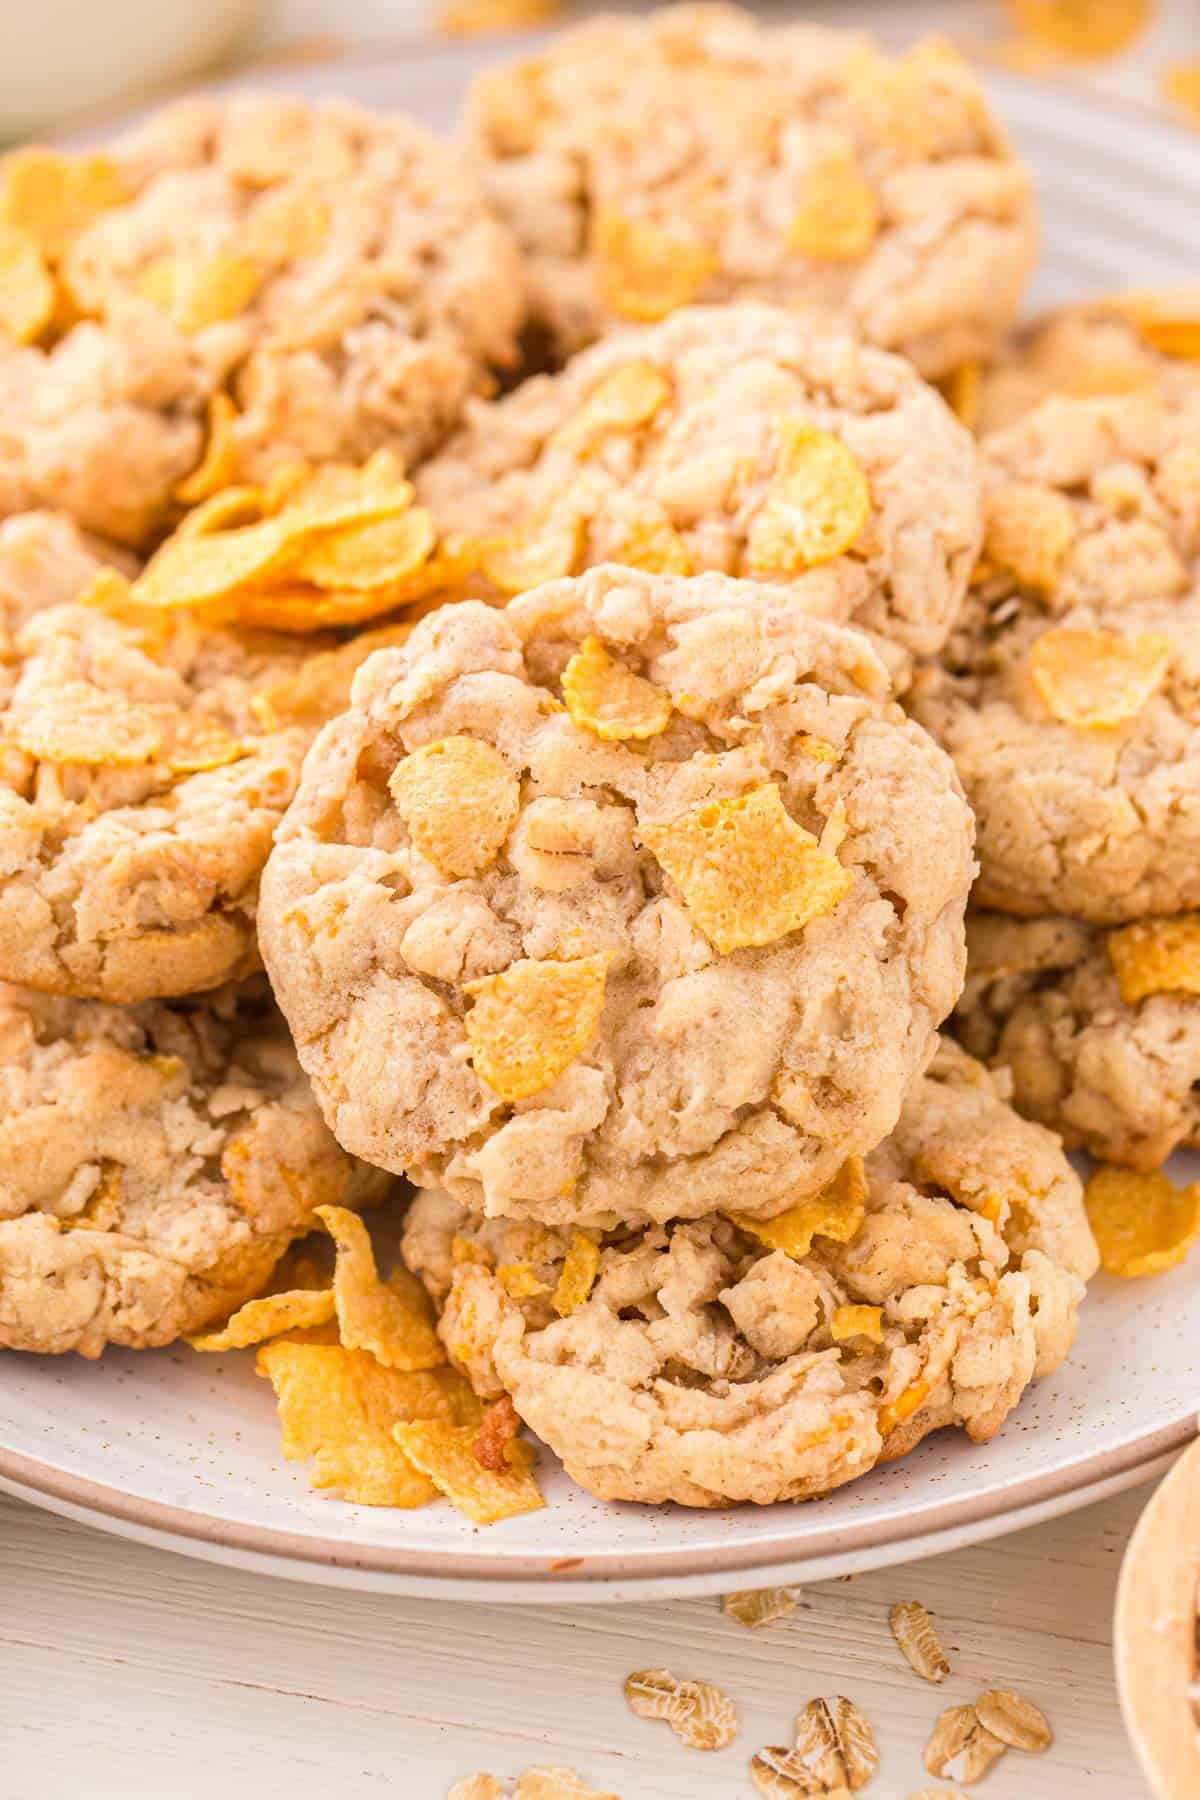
point(706, 1367)
point(255, 280)
point(787, 164)
point(140, 784)
point(157, 1160)
point(744, 439)
point(1100, 1029)
point(634, 895)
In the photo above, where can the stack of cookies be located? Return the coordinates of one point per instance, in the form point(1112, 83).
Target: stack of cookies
point(600, 771)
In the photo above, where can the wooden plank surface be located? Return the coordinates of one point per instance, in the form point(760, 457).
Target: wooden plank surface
point(131, 1671)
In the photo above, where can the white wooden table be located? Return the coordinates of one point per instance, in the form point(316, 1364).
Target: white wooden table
point(126, 1671)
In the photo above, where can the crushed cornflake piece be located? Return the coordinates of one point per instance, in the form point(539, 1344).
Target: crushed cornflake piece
point(1028, 530)
point(644, 272)
point(267, 1317)
point(217, 468)
point(1081, 29)
point(817, 505)
point(962, 391)
point(1180, 84)
point(458, 797)
point(28, 294)
point(1168, 319)
point(1142, 1222)
point(604, 696)
point(285, 224)
point(200, 742)
point(79, 723)
point(339, 1406)
point(498, 1429)
point(1156, 956)
point(655, 546)
point(627, 399)
point(476, 18)
point(759, 1606)
point(699, 1714)
point(960, 1747)
point(856, 1321)
point(392, 1319)
point(519, 1281)
point(556, 1784)
point(1016, 1721)
point(577, 1278)
point(836, 1212)
point(518, 560)
point(446, 1454)
point(199, 291)
point(52, 198)
point(914, 1631)
point(838, 216)
point(910, 1400)
point(532, 1020)
point(365, 557)
point(747, 872)
point(1097, 678)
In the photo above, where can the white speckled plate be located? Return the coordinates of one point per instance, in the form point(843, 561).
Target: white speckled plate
point(182, 1450)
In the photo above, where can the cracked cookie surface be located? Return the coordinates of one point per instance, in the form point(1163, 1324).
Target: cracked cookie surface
point(595, 907)
point(701, 1366)
point(788, 164)
point(681, 445)
point(157, 1160)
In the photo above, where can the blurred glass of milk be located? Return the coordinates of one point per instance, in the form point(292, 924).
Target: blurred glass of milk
point(61, 57)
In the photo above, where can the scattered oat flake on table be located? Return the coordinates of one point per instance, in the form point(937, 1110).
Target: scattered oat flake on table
point(578, 1275)
point(836, 1212)
point(747, 872)
point(782, 1774)
point(1098, 678)
point(1081, 29)
point(759, 1606)
point(392, 1319)
point(446, 1454)
point(268, 1317)
point(477, 1787)
point(700, 1715)
point(817, 505)
point(458, 797)
point(1016, 1721)
point(837, 1744)
point(960, 1747)
point(608, 699)
point(914, 1631)
point(1142, 1222)
point(556, 1784)
point(532, 1020)
point(1156, 956)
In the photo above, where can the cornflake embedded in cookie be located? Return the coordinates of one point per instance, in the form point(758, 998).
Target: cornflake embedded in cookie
point(794, 164)
point(158, 1160)
point(701, 968)
point(260, 279)
point(1099, 1029)
point(745, 439)
point(705, 1368)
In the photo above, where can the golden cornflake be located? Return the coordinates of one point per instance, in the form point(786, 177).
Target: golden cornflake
point(699, 1714)
point(1168, 319)
point(627, 399)
point(836, 1212)
point(267, 1317)
point(962, 391)
point(818, 502)
point(199, 291)
point(519, 1281)
point(531, 1021)
point(1016, 1721)
point(1097, 678)
point(644, 272)
point(217, 468)
point(609, 699)
point(960, 1747)
point(52, 198)
point(655, 546)
point(838, 217)
point(339, 1406)
point(759, 1606)
point(458, 797)
point(446, 1454)
point(285, 224)
point(27, 291)
point(79, 723)
point(1142, 1222)
point(1156, 956)
point(747, 872)
point(895, 1412)
point(1081, 28)
point(914, 1631)
point(1028, 530)
point(856, 1321)
point(363, 557)
point(392, 1319)
point(496, 1438)
point(518, 561)
point(578, 1276)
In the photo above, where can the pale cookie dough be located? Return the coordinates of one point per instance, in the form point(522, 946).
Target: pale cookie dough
point(706, 1368)
point(45, 560)
point(673, 447)
point(139, 791)
point(156, 1163)
point(335, 270)
point(1078, 742)
point(1118, 1077)
point(698, 996)
point(697, 154)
